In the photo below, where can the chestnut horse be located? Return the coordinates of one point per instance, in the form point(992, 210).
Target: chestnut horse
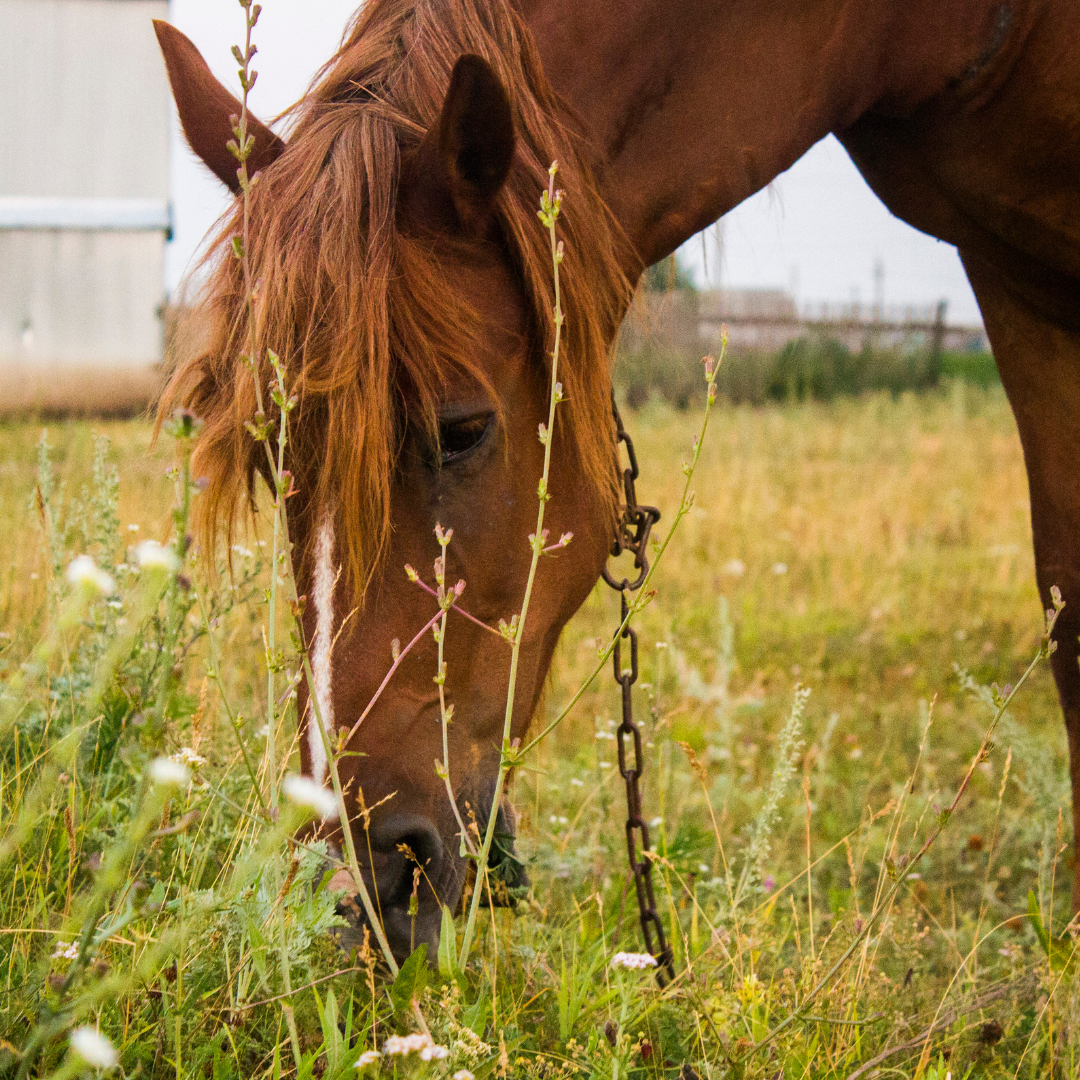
point(401, 276)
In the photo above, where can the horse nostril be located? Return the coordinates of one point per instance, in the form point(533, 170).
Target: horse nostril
point(404, 841)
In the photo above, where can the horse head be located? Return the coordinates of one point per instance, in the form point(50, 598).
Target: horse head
point(402, 277)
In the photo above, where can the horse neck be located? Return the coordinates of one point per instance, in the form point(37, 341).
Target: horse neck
point(691, 106)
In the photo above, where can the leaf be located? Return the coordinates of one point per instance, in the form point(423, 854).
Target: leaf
point(411, 980)
point(328, 1017)
point(1036, 921)
point(448, 960)
point(476, 1016)
point(1059, 953)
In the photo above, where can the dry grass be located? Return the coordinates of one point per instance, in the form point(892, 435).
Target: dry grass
point(861, 548)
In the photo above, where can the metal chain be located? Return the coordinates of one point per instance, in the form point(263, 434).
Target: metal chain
point(632, 534)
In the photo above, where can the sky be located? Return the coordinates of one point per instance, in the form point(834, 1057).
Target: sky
point(817, 230)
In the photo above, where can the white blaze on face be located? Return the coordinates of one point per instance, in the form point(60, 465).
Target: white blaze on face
point(325, 577)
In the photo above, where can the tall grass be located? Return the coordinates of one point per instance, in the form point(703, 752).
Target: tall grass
point(889, 578)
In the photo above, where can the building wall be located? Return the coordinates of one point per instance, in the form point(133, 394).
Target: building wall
point(84, 111)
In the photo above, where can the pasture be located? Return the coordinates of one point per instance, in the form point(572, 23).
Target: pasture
point(865, 549)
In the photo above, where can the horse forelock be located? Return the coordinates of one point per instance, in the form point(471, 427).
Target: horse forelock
point(365, 321)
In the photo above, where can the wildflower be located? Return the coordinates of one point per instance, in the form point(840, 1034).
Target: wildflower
point(186, 756)
point(633, 960)
point(152, 555)
point(368, 1057)
point(65, 951)
point(245, 553)
point(86, 573)
point(434, 1052)
point(406, 1044)
point(733, 568)
point(93, 1047)
point(769, 883)
point(463, 1074)
point(167, 772)
point(779, 569)
point(305, 792)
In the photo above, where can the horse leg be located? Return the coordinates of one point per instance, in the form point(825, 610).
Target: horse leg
point(1039, 364)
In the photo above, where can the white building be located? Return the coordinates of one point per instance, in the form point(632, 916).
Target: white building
point(84, 210)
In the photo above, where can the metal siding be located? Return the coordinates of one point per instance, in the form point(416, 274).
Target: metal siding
point(84, 116)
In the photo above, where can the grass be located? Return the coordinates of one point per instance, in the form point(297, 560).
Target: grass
point(861, 548)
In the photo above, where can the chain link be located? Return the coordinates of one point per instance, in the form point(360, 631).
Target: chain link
point(632, 535)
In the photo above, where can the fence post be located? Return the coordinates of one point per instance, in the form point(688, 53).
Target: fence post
point(937, 342)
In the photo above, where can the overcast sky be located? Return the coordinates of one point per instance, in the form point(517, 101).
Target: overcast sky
point(817, 230)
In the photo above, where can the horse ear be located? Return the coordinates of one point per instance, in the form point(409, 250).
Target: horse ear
point(206, 110)
point(465, 157)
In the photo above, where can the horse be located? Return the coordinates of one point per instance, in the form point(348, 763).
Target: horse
point(402, 279)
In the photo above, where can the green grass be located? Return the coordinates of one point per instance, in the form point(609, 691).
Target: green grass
point(861, 548)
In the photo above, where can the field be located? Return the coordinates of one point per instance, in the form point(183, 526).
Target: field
point(873, 549)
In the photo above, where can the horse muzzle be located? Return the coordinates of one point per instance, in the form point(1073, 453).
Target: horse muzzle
point(411, 874)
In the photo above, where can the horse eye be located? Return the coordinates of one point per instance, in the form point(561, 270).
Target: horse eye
point(458, 437)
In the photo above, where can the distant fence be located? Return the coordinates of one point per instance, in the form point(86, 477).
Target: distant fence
point(776, 352)
point(855, 327)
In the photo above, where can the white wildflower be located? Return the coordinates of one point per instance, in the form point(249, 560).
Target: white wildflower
point(186, 756)
point(133, 527)
point(86, 573)
point(246, 554)
point(434, 1052)
point(152, 555)
point(633, 960)
point(779, 569)
point(164, 770)
point(65, 951)
point(305, 792)
point(368, 1057)
point(733, 568)
point(93, 1048)
point(463, 1074)
point(576, 782)
point(406, 1044)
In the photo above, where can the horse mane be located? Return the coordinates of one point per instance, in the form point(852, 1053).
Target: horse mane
point(364, 321)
